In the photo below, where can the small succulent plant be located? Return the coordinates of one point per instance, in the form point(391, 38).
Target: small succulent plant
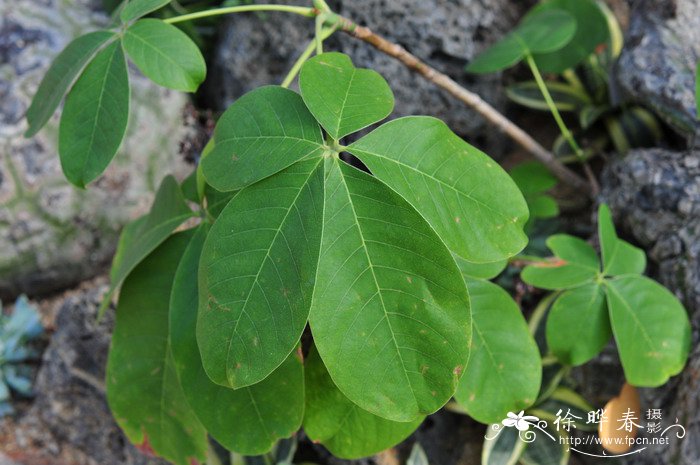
point(16, 331)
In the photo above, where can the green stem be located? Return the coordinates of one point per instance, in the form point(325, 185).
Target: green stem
point(553, 108)
point(299, 63)
point(299, 10)
point(320, 19)
point(306, 54)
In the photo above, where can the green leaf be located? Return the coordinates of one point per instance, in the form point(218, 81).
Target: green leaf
point(344, 99)
point(261, 134)
point(257, 275)
point(545, 450)
point(592, 31)
point(249, 420)
point(94, 117)
point(532, 178)
point(165, 54)
point(143, 391)
point(389, 299)
point(341, 426)
point(480, 270)
point(619, 257)
point(651, 329)
point(473, 205)
point(540, 32)
point(576, 263)
point(63, 71)
point(503, 449)
point(134, 9)
point(578, 326)
point(566, 97)
point(543, 206)
point(141, 237)
point(504, 370)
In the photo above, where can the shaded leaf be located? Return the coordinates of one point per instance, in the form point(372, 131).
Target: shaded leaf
point(473, 205)
point(257, 275)
point(504, 449)
point(545, 450)
point(262, 133)
point(543, 206)
point(134, 9)
point(619, 257)
point(249, 420)
point(575, 263)
point(94, 117)
point(532, 178)
point(143, 391)
point(566, 400)
point(389, 299)
point(417, 456)
point(165, 54)
point(538, 32)
point(504, 370)
point(344, 99)
point(566, 97)
point(578, 326)
point(139, 238)
point(341, 426)
point(480, 270)
point(63, 71)
point(651, 329)
point(592, 31)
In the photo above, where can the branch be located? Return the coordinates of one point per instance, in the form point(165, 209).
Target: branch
point(469, 98)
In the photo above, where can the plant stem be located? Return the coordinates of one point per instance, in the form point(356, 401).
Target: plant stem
point(319, 32)
point(465, 96)
point(306, 54)
point(299, 10)
point(552, 107)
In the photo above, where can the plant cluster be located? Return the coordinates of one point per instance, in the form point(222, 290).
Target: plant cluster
point(17, 331)
point(305, 292)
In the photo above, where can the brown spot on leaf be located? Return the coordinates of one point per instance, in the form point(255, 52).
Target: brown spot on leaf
point(458, 370)
point(145, 447)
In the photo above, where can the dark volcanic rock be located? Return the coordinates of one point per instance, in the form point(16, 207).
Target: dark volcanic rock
point(257, 50)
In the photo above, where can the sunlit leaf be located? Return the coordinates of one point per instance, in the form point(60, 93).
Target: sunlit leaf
point(575, 263)
point(619, 257)
point(134, 9)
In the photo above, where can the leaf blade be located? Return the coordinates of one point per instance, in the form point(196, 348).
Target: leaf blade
point(262, 133)
point(619, 257)
point(137, 8)
point(94, 117)
point(249, 420)
point(408, 298)
point(142, 387)
point(473, 205)
point(344, 99)
point(165, 54)
point(504, 370)
point(651, 329)
point(341, 426)
point(259, 257)
point(61, 75)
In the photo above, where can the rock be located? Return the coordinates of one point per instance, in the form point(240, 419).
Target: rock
point(53, 235)
point(69, 421)
point(654, 195)
point(657, 65)
point(256, 50)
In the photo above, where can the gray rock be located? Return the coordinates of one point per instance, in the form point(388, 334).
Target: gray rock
point(657, 65)
point(257, 50)
point(69, 419)
point(654, 195)
point(51, 234)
